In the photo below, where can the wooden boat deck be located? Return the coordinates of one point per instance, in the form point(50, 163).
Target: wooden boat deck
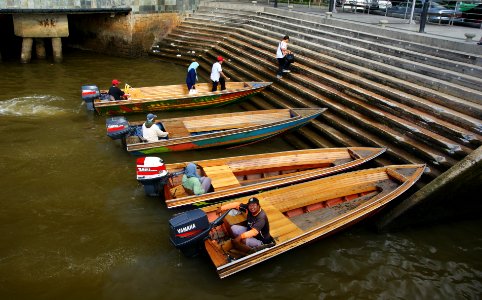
point(276, 162)
point(176, 129)
point(221, 177)
point(311, 193)
point(175, 91)
point(281, 227)
point(203, 123)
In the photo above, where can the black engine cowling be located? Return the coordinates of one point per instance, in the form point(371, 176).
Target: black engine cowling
point(188, 230)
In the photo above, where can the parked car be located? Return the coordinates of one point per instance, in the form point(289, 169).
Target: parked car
point(437, 13)
point(384, 4)
point(460, 5)
point(357, 4)
point(473, 15)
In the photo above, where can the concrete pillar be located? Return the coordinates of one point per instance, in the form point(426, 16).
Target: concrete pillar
point(40, 48)
point(26, 54)
point(57, 49)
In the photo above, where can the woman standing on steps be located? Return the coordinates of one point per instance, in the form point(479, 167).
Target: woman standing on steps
point(281, 53)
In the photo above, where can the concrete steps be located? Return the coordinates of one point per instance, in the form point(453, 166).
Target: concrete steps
point(363, 80)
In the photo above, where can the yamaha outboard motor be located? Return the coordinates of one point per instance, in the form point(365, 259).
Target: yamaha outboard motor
point(117, 127)
point(189, 229)
point(152, 173)
point(89, 94)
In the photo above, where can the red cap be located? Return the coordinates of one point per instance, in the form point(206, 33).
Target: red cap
point(220, 58)
point(115, 81)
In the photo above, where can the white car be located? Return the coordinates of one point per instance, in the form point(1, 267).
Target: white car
point(359, 4)
point(384, 4)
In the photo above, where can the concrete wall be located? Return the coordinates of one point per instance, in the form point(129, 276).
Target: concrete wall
point(138, 6)
point(122, 35)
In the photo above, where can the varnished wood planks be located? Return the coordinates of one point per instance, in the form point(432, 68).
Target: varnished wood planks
point(248, 165)
point(221, 176)
point(175, 129)
point(281, 228)
point(174, 91)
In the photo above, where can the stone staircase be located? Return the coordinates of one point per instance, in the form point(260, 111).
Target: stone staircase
point(421, 102)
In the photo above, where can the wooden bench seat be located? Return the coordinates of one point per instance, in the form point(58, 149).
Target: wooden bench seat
point(175, 129)
point(221, 177)
point(281, 228)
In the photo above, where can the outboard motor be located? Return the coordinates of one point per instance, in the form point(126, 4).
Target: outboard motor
point(89, 94)
point(152, 173)
point(189, 229)
point(117, 127)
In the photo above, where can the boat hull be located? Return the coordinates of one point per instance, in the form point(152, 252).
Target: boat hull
point(309, 211)
point(232, 137)
point(235, 176)
point(179, 101)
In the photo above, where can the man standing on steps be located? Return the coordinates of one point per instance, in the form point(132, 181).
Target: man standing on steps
point(217, 75)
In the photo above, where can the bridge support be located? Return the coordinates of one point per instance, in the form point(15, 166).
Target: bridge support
point(57, 49)
point(39, 26)
point(40, 49)
point(26, 54)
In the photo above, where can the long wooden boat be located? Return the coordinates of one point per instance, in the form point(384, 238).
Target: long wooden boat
point(235, 176)
point(297, 214)
point(169, 97)
point(196, 132)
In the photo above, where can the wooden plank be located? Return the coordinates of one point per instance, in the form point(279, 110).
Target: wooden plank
point(281, 228)
point(199, 123)
point(175, 129)
point(216, 253)
point(395, 175)
point(221, 177)
point(177, 91)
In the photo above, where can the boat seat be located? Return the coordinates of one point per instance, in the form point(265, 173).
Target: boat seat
point(281, 227)
point(221, 177)
point(175, 129)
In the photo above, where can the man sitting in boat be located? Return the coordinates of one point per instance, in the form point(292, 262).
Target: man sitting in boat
point(150, 131)
point(256, 235)
point(115, 93)
point(193, 183)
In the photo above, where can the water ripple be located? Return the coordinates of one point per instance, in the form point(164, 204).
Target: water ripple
point(35, 105)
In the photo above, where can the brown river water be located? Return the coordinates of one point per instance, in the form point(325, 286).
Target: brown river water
point(75, 224)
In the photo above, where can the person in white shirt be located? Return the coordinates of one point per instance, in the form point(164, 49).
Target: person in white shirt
point(281, 57)
point(150, 131)
point(217, 75)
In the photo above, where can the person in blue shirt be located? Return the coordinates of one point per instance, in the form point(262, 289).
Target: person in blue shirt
point(191, 77)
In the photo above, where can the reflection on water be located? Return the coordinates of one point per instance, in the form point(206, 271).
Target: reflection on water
point(75, 224)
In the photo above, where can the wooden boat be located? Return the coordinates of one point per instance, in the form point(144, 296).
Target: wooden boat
point(205, 131)
point(169, 97)
point(235, 176)
point(297, 214)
